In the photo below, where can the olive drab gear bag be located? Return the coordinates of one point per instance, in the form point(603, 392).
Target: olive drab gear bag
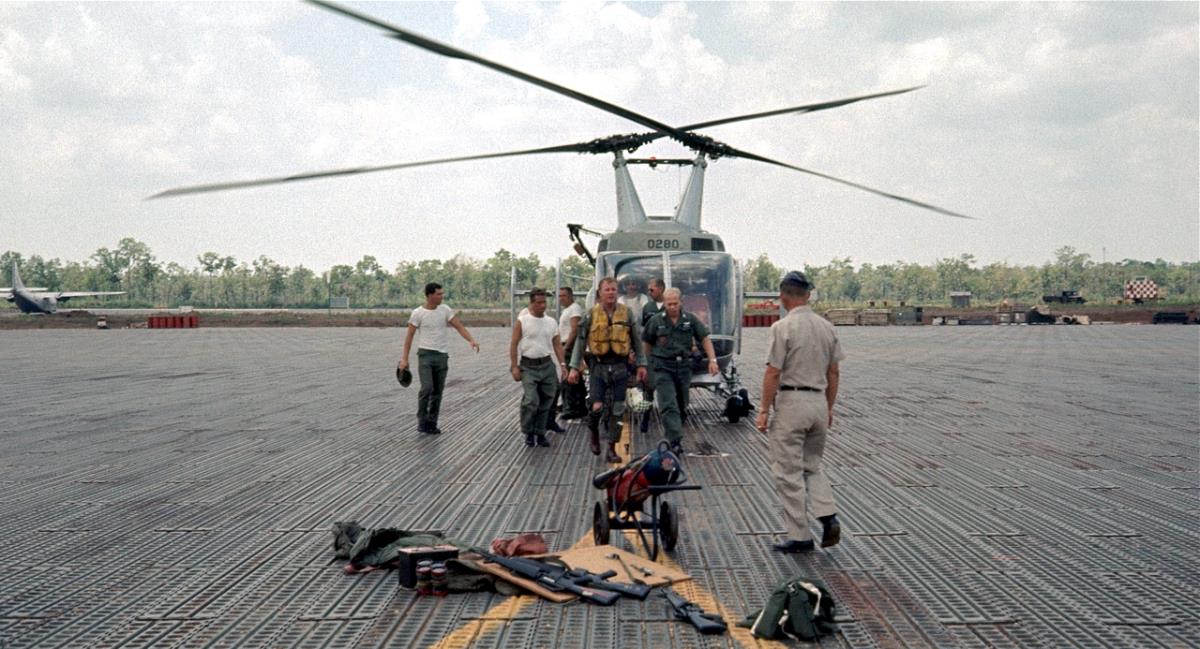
point(799, 609)
point(605, 334)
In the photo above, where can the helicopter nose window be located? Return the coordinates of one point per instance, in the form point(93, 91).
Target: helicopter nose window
point(698, 306)
point(634, 274)
point(708, 282)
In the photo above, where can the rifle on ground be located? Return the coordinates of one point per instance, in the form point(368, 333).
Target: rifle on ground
point(706, 623)
point(589, 586)
point(600, 580)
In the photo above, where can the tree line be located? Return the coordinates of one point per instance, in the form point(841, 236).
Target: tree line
point(221, 281)
point(1103, 282)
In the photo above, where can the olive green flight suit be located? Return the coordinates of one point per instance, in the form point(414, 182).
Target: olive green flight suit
point(671, 349)
point(648, 312)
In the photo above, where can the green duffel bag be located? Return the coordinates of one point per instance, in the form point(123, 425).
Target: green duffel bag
point(800, 609)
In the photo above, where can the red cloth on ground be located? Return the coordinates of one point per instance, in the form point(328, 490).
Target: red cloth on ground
point(520, 545)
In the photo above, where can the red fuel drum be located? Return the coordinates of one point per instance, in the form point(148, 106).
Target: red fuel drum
point(186, 321)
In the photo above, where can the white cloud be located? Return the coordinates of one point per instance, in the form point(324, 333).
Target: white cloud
point(13, 50)
point(471, 18)
point(1031, 110)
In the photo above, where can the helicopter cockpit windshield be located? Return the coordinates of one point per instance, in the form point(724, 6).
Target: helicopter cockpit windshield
point(709, 287)
point(707, 280)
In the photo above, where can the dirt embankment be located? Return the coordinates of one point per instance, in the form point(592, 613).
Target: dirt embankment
point(1120, 314)
point(1133, 314)
point(87, 320)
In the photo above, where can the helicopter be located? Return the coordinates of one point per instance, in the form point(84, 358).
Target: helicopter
point(673, 248)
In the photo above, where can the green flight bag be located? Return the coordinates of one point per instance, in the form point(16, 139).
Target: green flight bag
point(799, 609)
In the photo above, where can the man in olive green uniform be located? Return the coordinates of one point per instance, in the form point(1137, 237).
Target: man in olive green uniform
point(655, 290)
point(668, 339)
point(610, 332)
point(536, 357)
point(801, 382)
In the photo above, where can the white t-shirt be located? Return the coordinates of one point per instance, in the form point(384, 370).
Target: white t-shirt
point(635, 305)
point(564, 321)
point(432, 325)
point(537, 336)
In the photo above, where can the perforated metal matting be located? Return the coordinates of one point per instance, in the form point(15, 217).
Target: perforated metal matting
point(999, 486)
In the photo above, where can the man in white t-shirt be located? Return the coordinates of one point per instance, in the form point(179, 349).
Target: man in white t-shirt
point(634, 299)
point(538, 363)
point(574, 397)
point(433, 320)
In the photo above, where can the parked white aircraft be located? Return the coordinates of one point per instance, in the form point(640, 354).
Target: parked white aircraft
point(38, 299)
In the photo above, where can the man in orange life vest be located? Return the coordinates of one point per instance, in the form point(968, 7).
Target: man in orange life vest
point(610, 332)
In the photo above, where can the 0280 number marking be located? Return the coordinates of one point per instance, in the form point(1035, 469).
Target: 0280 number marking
point(662, 244)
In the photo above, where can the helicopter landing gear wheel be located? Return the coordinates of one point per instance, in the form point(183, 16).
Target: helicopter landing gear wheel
point(668, 526)
point(737, 406)
point(600, 523)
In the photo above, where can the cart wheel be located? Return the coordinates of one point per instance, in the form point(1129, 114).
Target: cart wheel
point(600, 523)
point(668, 526)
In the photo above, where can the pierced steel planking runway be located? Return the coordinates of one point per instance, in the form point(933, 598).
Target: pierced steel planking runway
point(1000, 486)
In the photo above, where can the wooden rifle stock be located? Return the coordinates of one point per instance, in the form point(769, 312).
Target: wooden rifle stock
point(559, 579)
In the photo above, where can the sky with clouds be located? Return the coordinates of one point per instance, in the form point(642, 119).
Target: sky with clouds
point(1054, 124)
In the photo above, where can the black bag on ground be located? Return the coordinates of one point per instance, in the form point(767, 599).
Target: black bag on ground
point(799, 608)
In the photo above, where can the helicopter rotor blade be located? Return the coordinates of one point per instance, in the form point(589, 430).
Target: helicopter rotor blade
point(437, 47)
point(698, 141)
point(731, 152)
point(806, 108)
point(583, 147)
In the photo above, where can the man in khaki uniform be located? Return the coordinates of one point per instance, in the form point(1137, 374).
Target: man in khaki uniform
point(801, 381)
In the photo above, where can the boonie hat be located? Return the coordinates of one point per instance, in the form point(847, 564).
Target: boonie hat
point(796, 278)
point(404, 376)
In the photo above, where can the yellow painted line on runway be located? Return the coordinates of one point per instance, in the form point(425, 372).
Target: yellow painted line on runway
point(492, 620)
point(690, 589)
point(695, 592)
point(511, 608)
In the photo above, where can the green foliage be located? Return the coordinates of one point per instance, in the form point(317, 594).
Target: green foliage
point(223, 281)
point(840, 283)
point(761, 275)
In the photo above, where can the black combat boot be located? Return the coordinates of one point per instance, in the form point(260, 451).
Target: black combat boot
point(832, 532)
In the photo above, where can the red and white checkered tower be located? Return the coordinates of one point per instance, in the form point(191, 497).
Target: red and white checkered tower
point(1140, 289)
